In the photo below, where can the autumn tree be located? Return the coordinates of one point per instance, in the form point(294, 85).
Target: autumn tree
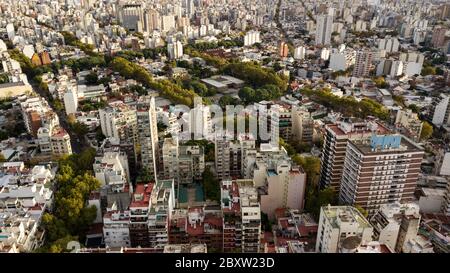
point(427, 131)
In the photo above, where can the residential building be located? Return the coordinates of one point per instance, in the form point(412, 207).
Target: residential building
point(394, 224)
point(336, 139)
point(441, 111)
point(202, 224)
point(285, 188)
point(111, 169)
point(119, 121)
point(324, 28)
point(340, 226)
point(147, 135)
point(363, 63)
point(241, 216)
point(170, 158)
point(191, 163)
point(378, 171)
point(162, 203)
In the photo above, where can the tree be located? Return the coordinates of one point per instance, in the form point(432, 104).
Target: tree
point(364, 212)
point(228, 100)
point(315, 199)
point(92, 78)
point(427, 131)
point(210, 185)
point(79, 129)
point(414, 108)
point(428, 70)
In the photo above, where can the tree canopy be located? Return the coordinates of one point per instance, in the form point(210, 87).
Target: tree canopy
point(71, 216)
point(348, 106)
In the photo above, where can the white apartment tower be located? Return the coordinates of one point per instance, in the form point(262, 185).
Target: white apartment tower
point(175, 50)
point(299, 53)
point(252, 37)
point(441, 114)
point(324, 29)
point(394, 224)
point(340, 224)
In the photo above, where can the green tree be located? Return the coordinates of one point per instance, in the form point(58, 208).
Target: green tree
point(211, 185)
point(427, 131)
point(92, 78)
point(364, 212)
point(414, 108)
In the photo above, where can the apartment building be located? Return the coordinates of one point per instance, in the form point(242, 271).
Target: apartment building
point(197, 224)
point(409, 124)
point(147, 134)
point(119, 121)
point(231, 155)
point(170, 158)
point(285, 188)
point(441, 111)
point(336, 138)
point(191, 163)
point(116, 228)
point(363, 64)
point(139, 211)
point(111, 169)
point(394, 224)
point(341, 228)
point(162, 203)
point(241, 216)
point(302, 125)
point(381, 170)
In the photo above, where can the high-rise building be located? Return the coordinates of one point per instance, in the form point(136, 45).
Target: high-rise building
point(241, 216)
point(335, 144)
point(147, 134)
point(139, 210)
point(168, 23)
point(131, 16)
point(191, 163)
point(341, 60)
point(324, 29)
point(162, 203)
point(230, 156)
point(116, 230)
point(252, 37)
point(170, 158)
point(390, 45)
point(299, 53)
point(380, 170)
point(446, 203)
point(441, 113)
point(394, 224)
point(175, 50)
point(341, 228)
point(283, 49)
point(152, 20)
point(302, 125)
point(438, 38)
point(119, 121)
point(71, 100)
point(284, 188)
point(363, 64)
